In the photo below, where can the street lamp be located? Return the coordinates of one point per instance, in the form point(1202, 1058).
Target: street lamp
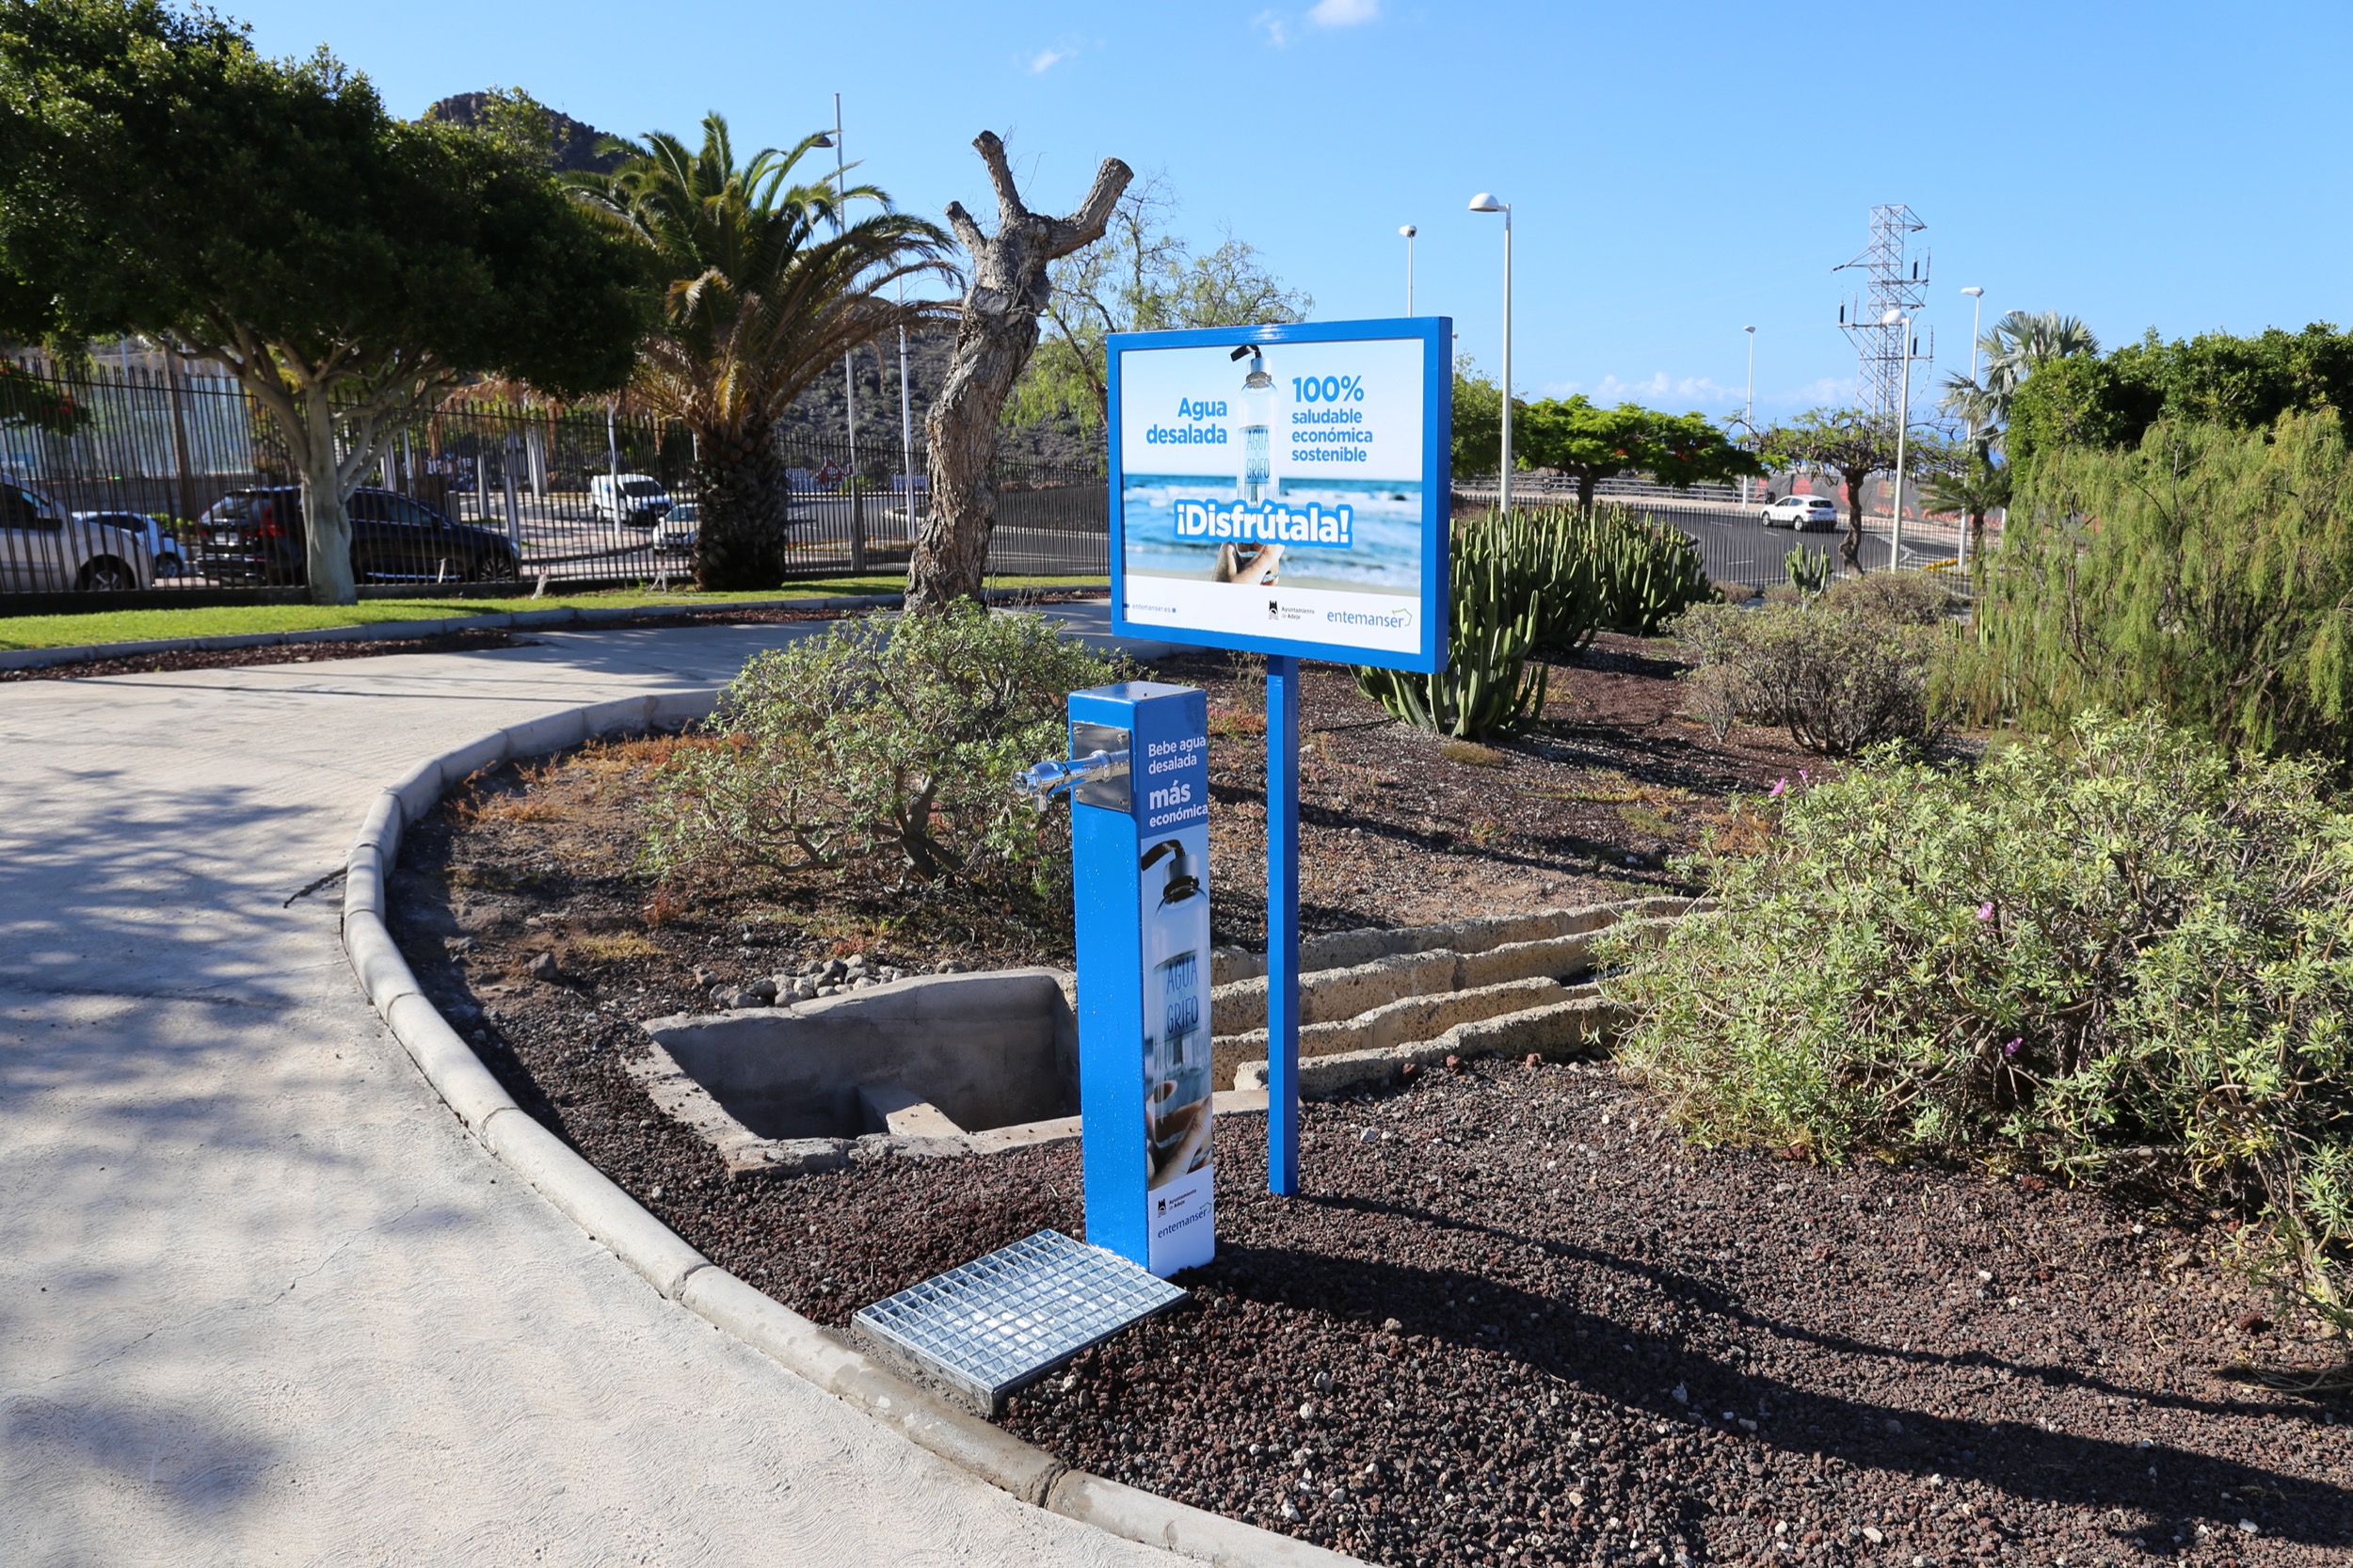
point(1748, 420)
point(1903, 431)
point(1977, 310)
point(1483, 202)
point(1407, 229)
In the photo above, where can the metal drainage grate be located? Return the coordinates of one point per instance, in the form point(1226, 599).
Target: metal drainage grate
point(1002, 1321)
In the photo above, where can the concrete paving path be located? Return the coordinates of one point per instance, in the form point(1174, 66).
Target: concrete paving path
point(261, 1300)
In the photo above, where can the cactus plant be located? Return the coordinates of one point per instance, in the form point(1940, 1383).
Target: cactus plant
point(1809, 570)
point(1489, 685)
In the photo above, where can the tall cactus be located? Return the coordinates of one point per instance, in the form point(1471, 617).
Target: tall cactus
point(1540, 577)
point(1489, 686)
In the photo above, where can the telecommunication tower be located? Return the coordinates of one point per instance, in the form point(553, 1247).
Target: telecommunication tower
point(1892, 281)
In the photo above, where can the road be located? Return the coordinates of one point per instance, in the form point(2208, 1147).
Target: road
point(261, 1299)
point(1738, 548)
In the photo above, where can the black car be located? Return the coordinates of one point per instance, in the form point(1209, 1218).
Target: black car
point(256, 536)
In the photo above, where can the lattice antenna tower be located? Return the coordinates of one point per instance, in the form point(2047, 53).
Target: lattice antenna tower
point(1893, 281)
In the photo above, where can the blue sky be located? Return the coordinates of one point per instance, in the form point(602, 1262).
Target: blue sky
point(1677, 170)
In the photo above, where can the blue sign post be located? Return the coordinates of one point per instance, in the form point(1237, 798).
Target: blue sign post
point(1284, 491)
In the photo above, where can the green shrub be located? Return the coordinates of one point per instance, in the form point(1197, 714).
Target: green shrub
point(2208, 574)
point(1841, 671)
point(885, 748)
point(2072, 953)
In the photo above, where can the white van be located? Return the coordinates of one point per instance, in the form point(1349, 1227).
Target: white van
point(632, 500)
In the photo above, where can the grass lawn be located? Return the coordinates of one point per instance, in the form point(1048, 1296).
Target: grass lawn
point(139, 626)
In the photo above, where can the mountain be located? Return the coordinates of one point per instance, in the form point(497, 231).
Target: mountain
point(576, 140)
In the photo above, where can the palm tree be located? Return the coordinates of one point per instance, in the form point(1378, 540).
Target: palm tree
point(1978, 486)
point(757, 300)
point(2013, 346)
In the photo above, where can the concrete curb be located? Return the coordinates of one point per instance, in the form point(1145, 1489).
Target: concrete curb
point(399, 631)
point(674, 1270)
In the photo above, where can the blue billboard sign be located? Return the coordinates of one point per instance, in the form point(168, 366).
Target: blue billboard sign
point(1284, 489)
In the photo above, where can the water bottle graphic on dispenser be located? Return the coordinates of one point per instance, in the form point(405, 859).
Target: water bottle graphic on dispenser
point(1175, 1009)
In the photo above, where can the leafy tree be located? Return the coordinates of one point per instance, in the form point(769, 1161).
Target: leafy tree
point(158, 175)
point(2238, 383)
point(1591, 444)
point(28, 400)
point(2079, 402)
point(759, 298)
point(1142, 277)
point(1477, 436)
point(1852, 443)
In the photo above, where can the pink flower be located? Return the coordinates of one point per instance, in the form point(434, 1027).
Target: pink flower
point(1985, 911)
point(2012, 1049)
point(1779, 786)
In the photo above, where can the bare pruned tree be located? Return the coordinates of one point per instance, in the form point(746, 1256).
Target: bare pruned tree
point(995, 337)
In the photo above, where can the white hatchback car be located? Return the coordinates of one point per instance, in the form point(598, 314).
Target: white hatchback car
point(44, 551)
point(1801, 512)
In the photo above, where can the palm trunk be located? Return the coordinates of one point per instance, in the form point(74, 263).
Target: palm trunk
point(739, 478)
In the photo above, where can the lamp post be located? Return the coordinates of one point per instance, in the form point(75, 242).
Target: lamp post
point(1407, 229)
point(1977, 309)
point(849, 361)
point(1748, 420)
point(1903, 431)
point(1483, 202)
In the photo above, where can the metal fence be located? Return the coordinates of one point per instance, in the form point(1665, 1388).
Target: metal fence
point(1736, 546)
point(131, 476)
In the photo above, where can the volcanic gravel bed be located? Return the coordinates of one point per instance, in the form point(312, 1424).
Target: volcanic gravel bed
point(1523, 1322)
point(1515, 1320)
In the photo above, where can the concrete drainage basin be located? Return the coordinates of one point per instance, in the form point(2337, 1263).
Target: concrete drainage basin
point(937, 1065)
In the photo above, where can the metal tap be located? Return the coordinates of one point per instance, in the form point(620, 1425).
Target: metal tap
point(1045, 781)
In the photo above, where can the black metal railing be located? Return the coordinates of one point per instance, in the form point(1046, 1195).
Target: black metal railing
point(115, 478)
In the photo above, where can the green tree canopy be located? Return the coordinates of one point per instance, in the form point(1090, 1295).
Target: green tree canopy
point(1140, 276)
point(1591, 443)
point(158, 175)
point(2233, 383)
point(1478, 440)
point(1853, 443)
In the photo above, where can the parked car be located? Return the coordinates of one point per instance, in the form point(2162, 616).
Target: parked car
point(161, 546)
point(632, 500)
point(255, 536)
point(1801, 512)
point(44, 551)
point(677, 531)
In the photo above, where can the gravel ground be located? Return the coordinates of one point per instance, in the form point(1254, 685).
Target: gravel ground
point(1523, 1322)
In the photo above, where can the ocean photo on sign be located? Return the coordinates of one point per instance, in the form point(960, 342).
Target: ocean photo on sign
point(1380, 554)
